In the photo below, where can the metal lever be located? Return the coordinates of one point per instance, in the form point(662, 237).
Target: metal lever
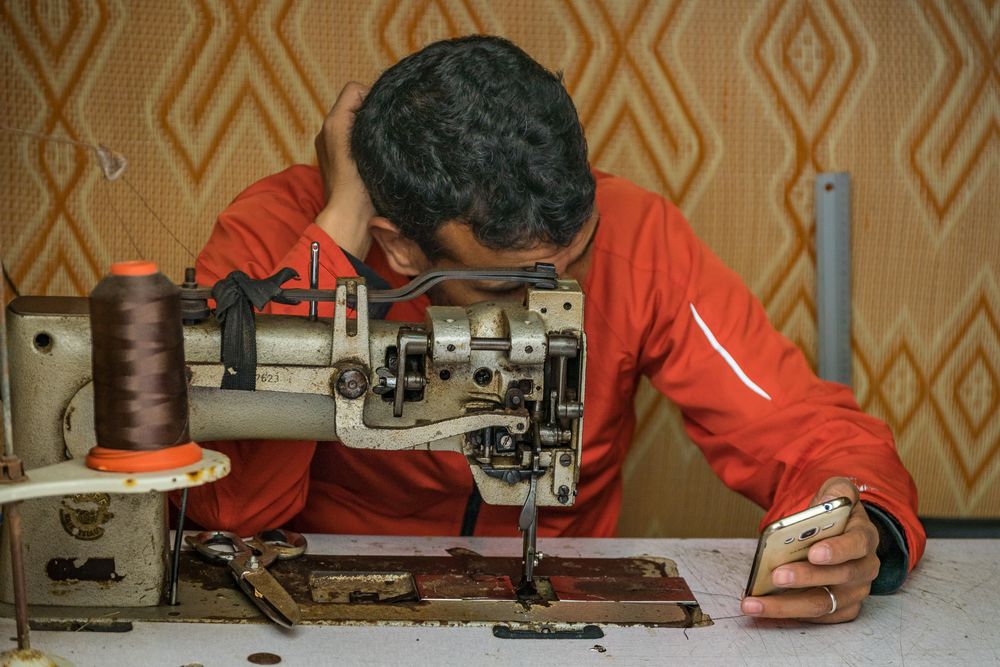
point(542, 275)
point(407, 342)
point(313, 277)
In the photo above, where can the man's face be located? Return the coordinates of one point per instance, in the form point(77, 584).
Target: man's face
point(460, 249)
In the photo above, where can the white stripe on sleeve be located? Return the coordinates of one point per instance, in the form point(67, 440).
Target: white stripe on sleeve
point(724, 353)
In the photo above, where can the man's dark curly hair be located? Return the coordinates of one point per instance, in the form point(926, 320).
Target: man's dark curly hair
point(473, 130)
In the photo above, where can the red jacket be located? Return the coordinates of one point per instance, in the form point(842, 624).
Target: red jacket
point(658, 303)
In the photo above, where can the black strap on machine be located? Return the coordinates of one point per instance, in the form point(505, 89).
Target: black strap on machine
point(238, 294)
point(235, 298)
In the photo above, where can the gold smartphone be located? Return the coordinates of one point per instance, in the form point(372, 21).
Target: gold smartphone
point(788, 540)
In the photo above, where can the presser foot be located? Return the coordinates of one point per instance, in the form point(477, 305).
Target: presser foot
point(527, 591)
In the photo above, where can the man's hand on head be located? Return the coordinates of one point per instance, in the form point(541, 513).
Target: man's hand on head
point(348, 206)
point(845, 564)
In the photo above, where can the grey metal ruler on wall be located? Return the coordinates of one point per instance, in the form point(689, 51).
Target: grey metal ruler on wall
point(833, 275)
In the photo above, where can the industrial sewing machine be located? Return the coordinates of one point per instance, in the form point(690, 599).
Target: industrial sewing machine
point(500, 382)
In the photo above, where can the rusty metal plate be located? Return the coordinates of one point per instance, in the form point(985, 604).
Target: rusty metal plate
point(361, 587)
point(465, 587)
point(208, 595)
point(622, 589)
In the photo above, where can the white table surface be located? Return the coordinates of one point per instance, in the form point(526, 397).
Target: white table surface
point(948, 612)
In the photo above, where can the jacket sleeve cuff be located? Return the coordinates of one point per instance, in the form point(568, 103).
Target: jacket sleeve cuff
point(892, 551)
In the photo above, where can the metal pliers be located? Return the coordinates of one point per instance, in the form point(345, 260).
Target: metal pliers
point(248, 561)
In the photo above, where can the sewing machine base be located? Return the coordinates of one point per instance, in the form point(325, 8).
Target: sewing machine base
point(463, 588)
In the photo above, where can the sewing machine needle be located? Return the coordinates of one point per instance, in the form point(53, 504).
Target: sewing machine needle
point(529, 511)
point(528, 523)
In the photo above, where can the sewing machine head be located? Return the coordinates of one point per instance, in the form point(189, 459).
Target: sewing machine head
point(500, 382)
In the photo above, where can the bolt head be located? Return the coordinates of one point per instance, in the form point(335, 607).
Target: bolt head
point(352, 383)
point(482, 376)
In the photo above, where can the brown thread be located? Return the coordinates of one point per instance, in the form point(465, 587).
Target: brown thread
point(156, 217)
point(121, 223)
point(140, 388)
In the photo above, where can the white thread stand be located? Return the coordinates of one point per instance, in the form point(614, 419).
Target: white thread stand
point(73, 476)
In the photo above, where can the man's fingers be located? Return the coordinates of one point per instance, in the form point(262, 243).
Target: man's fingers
point(813, 603)
point(806, 575)
point(836, 487)
point(860, 538)
point(337, 125)
point(348, 102)
point(800, 604)
point(333, 141)
point(851, 545)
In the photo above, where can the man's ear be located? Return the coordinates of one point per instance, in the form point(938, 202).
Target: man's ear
point(403, 255)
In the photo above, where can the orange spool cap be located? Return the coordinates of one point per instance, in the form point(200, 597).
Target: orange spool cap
point(123, 460)
point(134, 268)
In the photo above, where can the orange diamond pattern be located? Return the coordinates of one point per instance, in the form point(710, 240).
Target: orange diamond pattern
point(901, 387)
point(238, 73)
point(808, 54)
point(964, 395)
point(977, 392)
point(955, 135)
point(811, 67)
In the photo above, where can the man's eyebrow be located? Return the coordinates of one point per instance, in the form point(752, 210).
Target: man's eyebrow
point(443, 253)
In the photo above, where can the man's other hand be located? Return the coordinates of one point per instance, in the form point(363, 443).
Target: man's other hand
point(348, 206)
point(845, 564)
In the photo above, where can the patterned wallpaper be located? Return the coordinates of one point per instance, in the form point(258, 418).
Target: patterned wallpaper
point(728, 107)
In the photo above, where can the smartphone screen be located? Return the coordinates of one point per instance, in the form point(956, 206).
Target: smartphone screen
point(788, 540)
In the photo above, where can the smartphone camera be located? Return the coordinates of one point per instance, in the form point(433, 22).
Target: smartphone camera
point(806, 534)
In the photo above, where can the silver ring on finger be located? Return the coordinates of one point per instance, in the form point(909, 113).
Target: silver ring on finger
point(833, 600)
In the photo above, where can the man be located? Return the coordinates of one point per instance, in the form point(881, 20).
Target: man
point(470, 154)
